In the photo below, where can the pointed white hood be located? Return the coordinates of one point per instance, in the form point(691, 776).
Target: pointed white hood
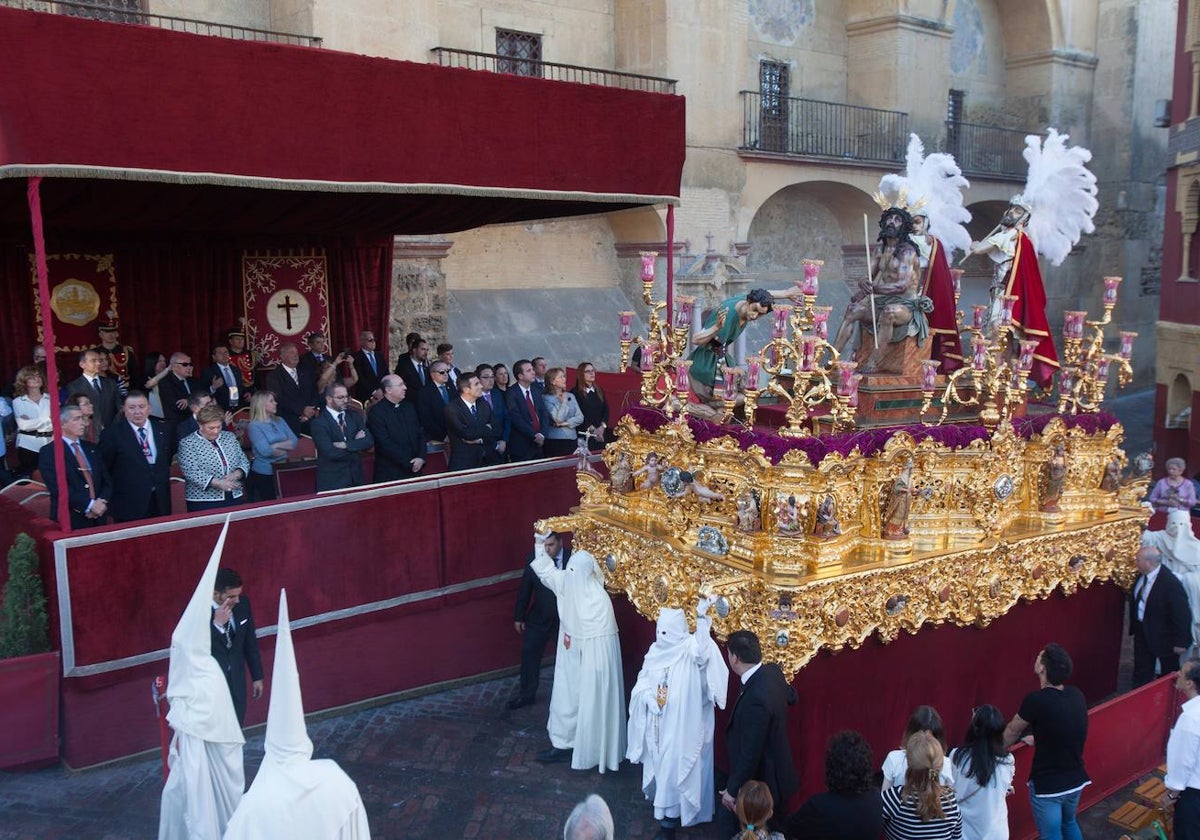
point(287, 736)
point(196, 689)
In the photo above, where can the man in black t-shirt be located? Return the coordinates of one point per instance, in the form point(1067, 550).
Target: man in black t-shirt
point(1053, 720)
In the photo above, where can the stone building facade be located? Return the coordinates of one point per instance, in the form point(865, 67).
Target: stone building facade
point(795, 110)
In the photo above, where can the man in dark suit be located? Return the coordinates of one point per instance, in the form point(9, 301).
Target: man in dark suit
point(536, 619)
point(368, 366)
point(195, 401)
point(399, 443)
point(495, 445)
point(341, 438)
point(445, 354)
point(317, 355)
point(88, 484)
point(175, 388)
point(1160, 620)
point(757, 736)
point(527, 415)
point(295, 391)
point(234, 644)
point(432, 402)
point(412, 366)
point(137, 452)
point(224, 381)
point(468, 424)
point(103, 391)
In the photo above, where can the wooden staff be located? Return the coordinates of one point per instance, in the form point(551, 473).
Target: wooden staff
point(870, 277)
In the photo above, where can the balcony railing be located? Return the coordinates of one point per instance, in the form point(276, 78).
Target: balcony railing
point(984, 150)
point(129, 11)
point(447, 57)
point(810, 128)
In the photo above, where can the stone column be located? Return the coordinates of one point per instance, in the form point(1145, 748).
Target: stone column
point(418, 299)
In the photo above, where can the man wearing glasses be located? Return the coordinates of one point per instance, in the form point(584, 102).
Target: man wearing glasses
point(369, 367)
point(175, 389)
point(432, 402)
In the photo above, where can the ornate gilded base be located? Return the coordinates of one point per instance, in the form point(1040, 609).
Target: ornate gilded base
point(796, 550)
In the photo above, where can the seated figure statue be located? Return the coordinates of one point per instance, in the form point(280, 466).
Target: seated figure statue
point(900, 309)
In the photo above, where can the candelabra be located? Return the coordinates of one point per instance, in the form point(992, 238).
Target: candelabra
point(998, 378)
point(665, 382)
point(1086, 370)
point(819, 378)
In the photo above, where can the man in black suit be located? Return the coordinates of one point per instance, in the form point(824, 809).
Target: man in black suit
point(318, 353)
point(527, 417)
point(1160, 620)
point(224, 381)
point(175, 387)
point(341, 438)
point(234, 644)
point(495, 444)
point(432, 402)
point(412, 366)
point(399, 443)
point(445, 354)
point(368, 366)
point(88, 484)
point(468, 424)
point(103, 391)
point(536, 619)
point(137, 452)
point(295, 391)
point(757, 736)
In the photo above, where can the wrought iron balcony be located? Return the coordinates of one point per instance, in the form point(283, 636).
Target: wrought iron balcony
point(447, 57)
point(984, 150)
point(130, 11)
point(811, 128)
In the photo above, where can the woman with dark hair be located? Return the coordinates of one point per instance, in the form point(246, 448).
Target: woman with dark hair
point(923, 719)
point(502, 378)
point(922, 808)
point(851, 808)
point(984, 777)
point(155, 368)
point(593, 405)
point(31, 406)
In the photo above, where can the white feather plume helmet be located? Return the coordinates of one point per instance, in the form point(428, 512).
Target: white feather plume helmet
point(931, 185)
point(1060, 194)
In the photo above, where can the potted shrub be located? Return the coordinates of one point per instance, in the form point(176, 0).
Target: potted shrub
point(29, 670)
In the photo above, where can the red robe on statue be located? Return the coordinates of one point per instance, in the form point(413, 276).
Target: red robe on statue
point(943, 322)
point(1029, 312)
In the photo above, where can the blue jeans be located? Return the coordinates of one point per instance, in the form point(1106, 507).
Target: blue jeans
point(1055, 815)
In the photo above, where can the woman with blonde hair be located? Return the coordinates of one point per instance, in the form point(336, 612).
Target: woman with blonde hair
point(271, 440)
point(754, 808)
point(922, 808)
point(565, 415)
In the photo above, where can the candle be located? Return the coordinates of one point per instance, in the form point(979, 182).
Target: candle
point(1006, 311)
point(808, 352)
point(811, 284)
point(648, 266)
point(852, 391)
point(731, 375)
point(978, 316)
point(1019, 381)
point(1102, 368)
point(1025, 359)
point(648, 355)
point(978, 353)
point(820, 315)
point(753, 364)
point(845, 376)
point(783, 315)
point(956, 282)
point(929, 374)
point(1127, 338)
point(626, 326)
point(682, 383)
point(683, 310)
point(1073, 324)
point(1111, 284)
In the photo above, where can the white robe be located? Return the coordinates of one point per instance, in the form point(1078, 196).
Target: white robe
point(203, 789)
point(1180, 551)
point(587, 703)
point(671, 718)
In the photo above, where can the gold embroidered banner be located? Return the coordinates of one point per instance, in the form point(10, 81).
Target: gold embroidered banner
point(83, 294)
point(286, 298)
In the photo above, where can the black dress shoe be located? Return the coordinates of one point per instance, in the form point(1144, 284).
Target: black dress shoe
point(518, 702)
point(554, 755)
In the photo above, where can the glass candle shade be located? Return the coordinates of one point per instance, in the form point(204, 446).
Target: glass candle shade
point(1073, 324)
point(1006, 310)
point(1111, 285)
point(978, 353)
point(808, 353)
point(753, 365)
point(682, 382)
point(783, 315)
point(956, 281)
point(852, 391)
point(626, 326)
point(683, 310)
point(648, 350)
point(1025, 357)
point(648, 258)
point(820, 315)
point(978, 316)
point(731, 375)
point(1126, 351)
point(1066, 380)
point(1102, 368)
point(929, 369)
point(810, 284)
point(846, 377)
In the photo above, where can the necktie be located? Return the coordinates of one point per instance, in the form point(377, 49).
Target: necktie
point(487, 395)
point(292, 373)
point(473, 410)
point(228, 374)
point(445, 395)
point(342, 423)
point(96, 385)
point(537, 424)
point(84, 468)
point(145, 441)
point(187, 389)
point(420, 371)
point(371, 362)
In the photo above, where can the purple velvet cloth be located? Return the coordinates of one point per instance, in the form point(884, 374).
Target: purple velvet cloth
point(868, 441)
